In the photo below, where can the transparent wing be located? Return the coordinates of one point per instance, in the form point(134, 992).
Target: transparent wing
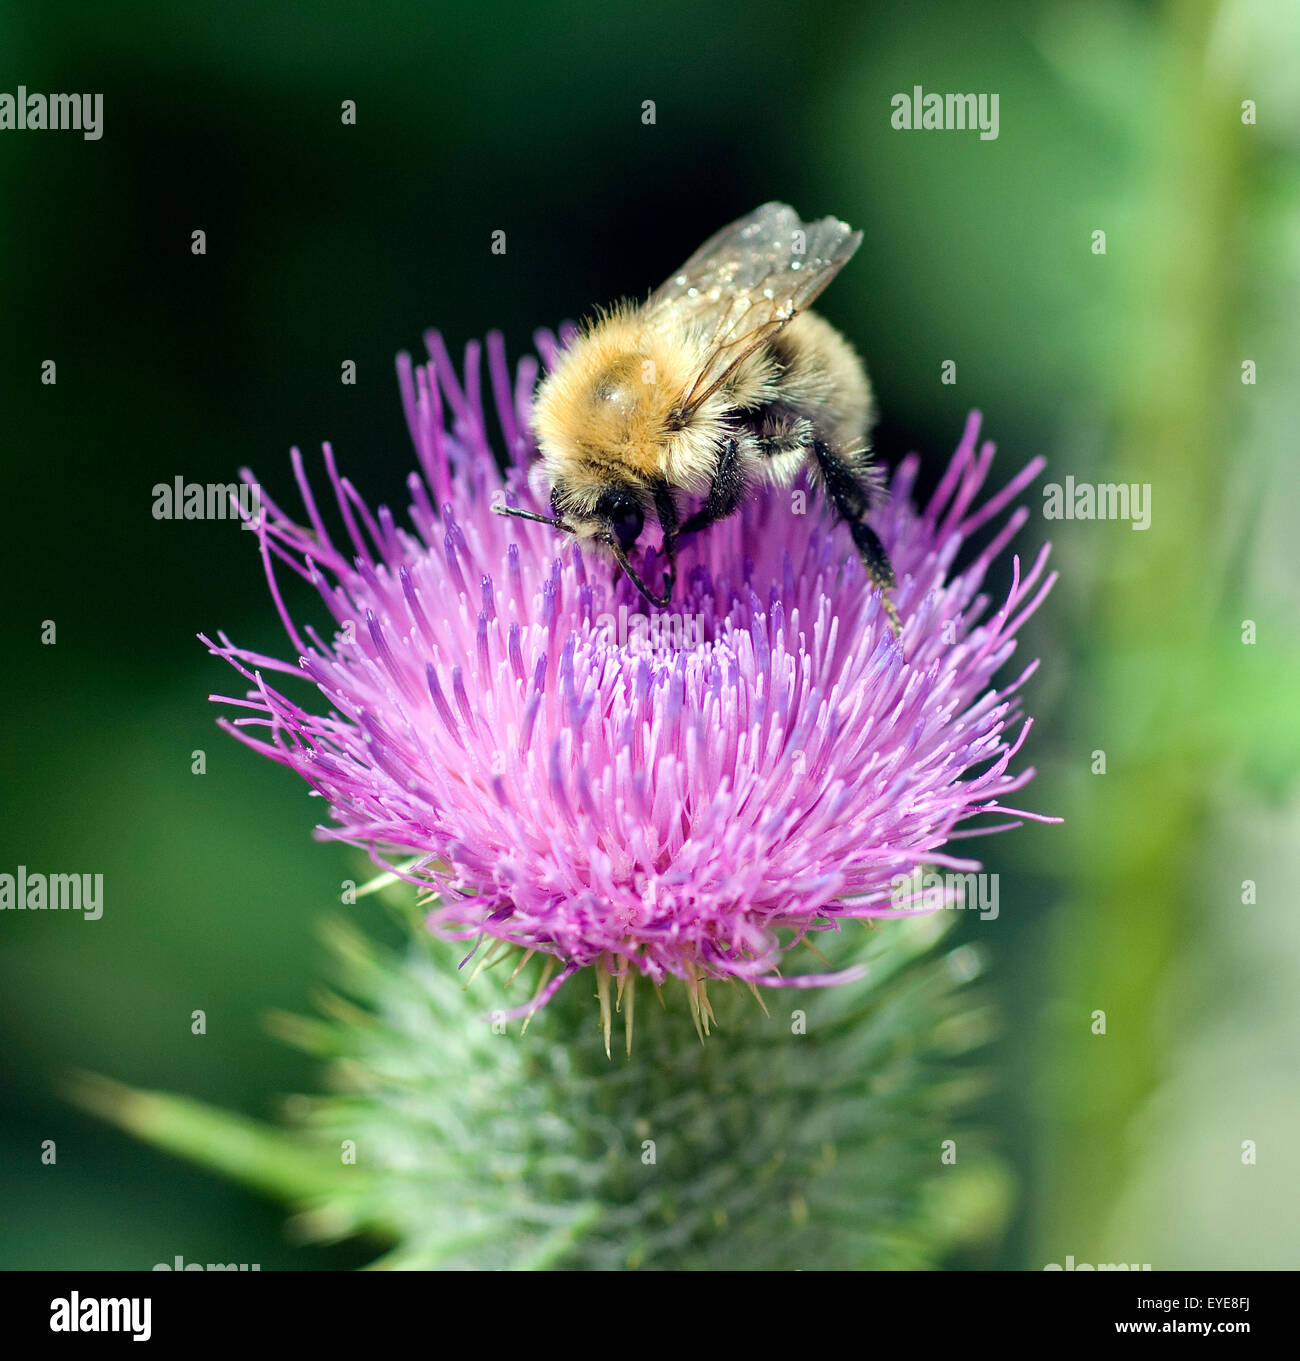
point(746, 282)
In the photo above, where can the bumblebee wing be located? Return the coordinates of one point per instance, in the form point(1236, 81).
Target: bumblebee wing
point(746, 282)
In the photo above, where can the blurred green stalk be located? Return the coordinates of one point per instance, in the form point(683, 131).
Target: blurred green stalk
point(1156, 641)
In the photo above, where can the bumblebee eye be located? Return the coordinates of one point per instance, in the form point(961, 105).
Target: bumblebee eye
point(627, 525)
point(622, 512)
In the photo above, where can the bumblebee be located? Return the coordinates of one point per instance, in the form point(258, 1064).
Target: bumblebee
point(719, 383)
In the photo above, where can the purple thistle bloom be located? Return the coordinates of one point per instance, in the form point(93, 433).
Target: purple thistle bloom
point(507, 726)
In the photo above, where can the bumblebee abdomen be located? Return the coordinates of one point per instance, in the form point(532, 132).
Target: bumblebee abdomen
point(821, 379)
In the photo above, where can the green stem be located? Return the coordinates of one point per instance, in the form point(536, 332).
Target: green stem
point(1153, 647)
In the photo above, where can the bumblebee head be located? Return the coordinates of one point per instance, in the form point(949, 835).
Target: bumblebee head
point(615, 512)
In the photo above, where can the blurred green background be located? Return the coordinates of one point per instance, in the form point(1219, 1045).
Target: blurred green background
point(329, 242)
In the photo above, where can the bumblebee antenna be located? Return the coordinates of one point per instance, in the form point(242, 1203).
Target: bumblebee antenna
point(659, 602)
point(529, 515)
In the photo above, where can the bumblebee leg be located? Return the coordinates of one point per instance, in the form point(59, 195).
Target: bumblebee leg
point(660, 602)
point(851, 502)
point(725, 493)
point(666, 509)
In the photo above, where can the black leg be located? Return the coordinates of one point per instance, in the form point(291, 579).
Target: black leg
point(724, 495)
point(660, 602)
point(851, 503)
point(666, 509)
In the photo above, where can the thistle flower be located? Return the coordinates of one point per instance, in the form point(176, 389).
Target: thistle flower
point(500, 720)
